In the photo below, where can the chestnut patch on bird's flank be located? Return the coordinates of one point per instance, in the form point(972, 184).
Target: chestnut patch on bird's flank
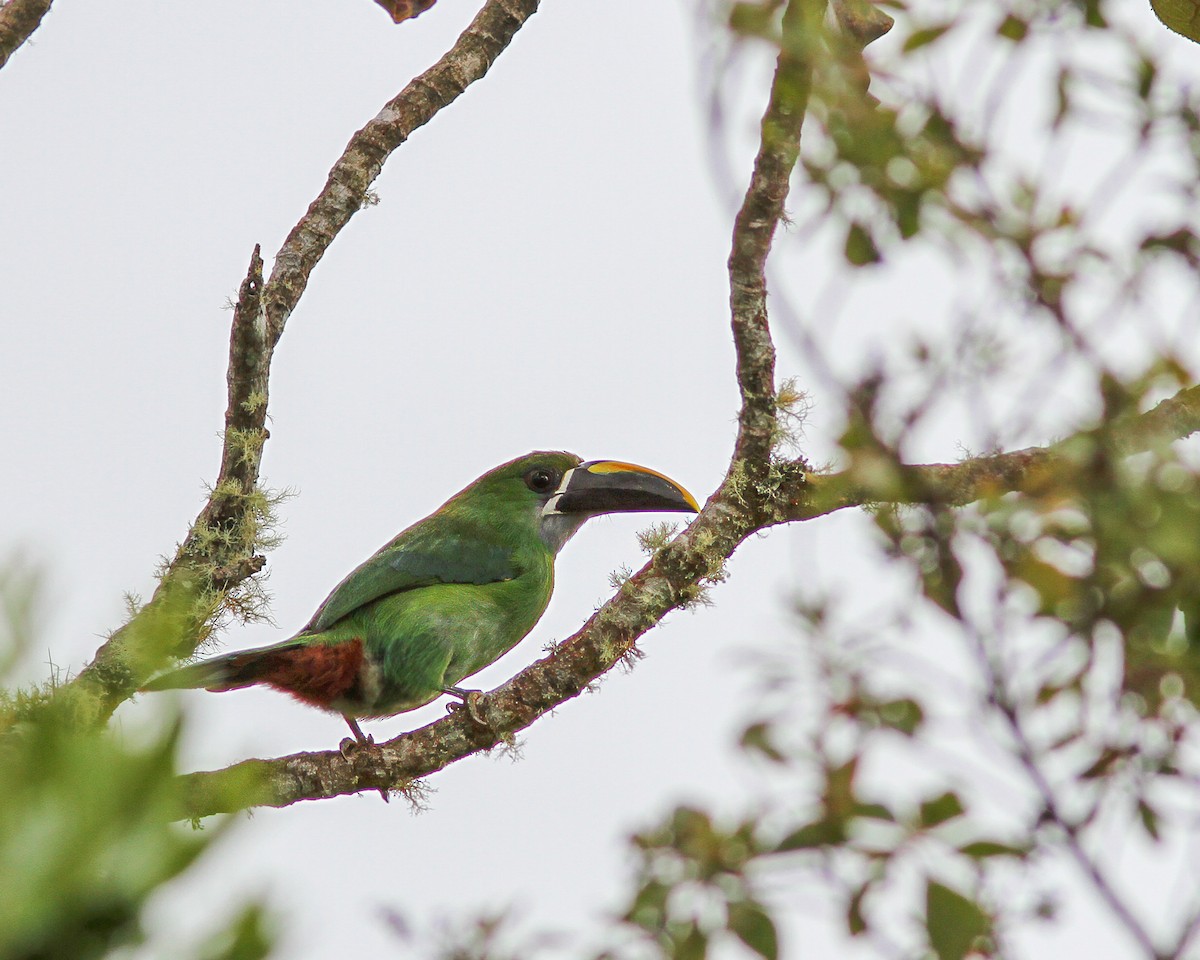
point(318, 674)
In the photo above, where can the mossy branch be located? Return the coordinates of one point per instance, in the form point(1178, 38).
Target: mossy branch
point(215, 565)
point(754, 230)
point(678, 573)
point(880, 479)
point(674, 577)
point(212, 569)
point(761, 489)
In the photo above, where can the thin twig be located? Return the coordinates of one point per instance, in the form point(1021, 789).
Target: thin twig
point(346, 191)
point(1050, 808)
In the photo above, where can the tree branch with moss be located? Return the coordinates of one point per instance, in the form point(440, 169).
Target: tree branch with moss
point(761, 489)
point(677, 575)
point(212, 575)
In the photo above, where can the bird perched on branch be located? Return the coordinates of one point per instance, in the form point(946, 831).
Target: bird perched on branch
point(446, 597)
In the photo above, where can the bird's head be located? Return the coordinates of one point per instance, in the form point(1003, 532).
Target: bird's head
point(560, 491)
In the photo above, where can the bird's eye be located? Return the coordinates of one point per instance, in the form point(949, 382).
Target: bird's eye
point(541, 480)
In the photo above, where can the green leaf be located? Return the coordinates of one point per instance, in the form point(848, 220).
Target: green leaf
point(1147, 74)
point(754, 20)
point(953, 921)
point(940, 809)
point(820, 833)
point(649, 907)
point(839, 797)
point(1182, 241)
point(1149, 818)
point(925, 36)
point(908, 212)
point(757, 738)
point(1093, 16)
point(982, 849)
point(1013, 28)
point(751, 924)
point(691, 946)
point(860, 246)
point(247, 938)
point(904, 715)
point(875, 811)
point(1182, 16)
point(856, 922)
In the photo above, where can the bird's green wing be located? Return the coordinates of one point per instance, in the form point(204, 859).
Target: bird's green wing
point(419, 557)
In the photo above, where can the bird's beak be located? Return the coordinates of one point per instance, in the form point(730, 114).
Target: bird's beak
point(610, 486)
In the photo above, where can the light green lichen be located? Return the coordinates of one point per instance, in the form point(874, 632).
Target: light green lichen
point(217, 551)
point(737, 484)
point(792, 407)
point(619, 577)
point(656, 536)
point(256, 401)
point(246, 445)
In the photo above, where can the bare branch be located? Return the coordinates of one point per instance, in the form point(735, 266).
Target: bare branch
point(18, 19)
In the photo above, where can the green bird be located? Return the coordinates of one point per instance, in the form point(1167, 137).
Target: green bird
point(446, 597)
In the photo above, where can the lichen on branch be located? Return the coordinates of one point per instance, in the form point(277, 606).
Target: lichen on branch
point(215, 565)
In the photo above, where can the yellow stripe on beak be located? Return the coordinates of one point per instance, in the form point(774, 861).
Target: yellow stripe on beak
point(620, 466)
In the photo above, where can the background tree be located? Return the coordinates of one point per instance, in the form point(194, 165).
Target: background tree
point(996, 682)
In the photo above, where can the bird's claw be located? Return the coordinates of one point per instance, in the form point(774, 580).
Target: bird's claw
point(349, 746)
point(471, 701)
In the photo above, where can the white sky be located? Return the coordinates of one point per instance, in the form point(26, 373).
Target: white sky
point(545, 270)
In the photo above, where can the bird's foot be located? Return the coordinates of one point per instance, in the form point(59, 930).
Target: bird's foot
point(471, 701)
point(362, 741)
point(349, 746)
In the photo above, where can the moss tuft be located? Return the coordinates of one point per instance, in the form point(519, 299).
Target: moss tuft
point(656, 536)
point(792, 407)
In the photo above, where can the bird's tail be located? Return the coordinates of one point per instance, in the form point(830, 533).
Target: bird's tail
point(231, 671)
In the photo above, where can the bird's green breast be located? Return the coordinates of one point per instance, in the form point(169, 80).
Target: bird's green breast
point(419, 641)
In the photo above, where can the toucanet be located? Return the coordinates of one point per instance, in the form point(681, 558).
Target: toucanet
point(444, 598)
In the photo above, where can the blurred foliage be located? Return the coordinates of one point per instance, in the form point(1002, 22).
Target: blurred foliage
point(934, 764)
point(937, 765)
point(87, 836)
